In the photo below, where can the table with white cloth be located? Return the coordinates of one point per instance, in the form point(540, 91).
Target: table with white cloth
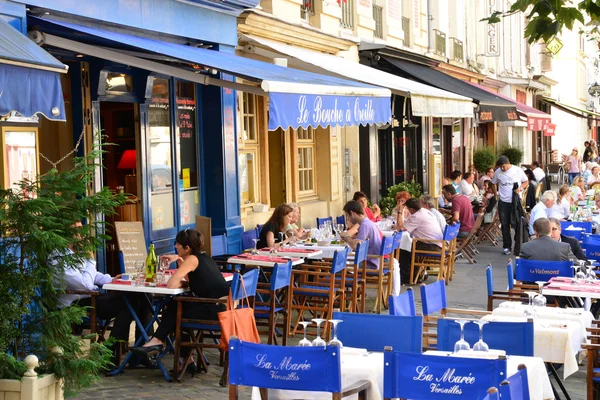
point(562, 286)
point(263, 260)
point(537, 377)
point(326, 251)
point(360, 365)
point(554, 341)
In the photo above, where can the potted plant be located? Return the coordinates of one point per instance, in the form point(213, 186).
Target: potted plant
point(36, 220)
point(514, 154)
point(388, 203)
point(484, 158)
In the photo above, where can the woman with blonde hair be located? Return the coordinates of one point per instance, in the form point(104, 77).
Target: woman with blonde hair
point(578, 189)
point(573, 161)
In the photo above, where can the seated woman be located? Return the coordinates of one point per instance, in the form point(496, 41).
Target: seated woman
point(293, 228)
point(562, 207)
point(278, 223)
point(594, 177)
point(578, 189)
point(490, 200)
point(204, 279)
point(401, 198)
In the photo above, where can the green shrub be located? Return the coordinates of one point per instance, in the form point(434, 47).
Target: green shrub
point(484, 158)
point(514, 154)
point(389, 202)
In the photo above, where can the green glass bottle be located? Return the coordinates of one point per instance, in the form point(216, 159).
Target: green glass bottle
point(151, 263)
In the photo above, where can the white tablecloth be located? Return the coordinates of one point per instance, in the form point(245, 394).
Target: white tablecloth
point(358, 365)
point(328, 251)
point(554, 341)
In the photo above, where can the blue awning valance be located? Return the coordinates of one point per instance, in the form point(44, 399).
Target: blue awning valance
point(296, 98)
point(29, 77)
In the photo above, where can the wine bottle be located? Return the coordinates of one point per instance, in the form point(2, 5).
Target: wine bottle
point(151, 264)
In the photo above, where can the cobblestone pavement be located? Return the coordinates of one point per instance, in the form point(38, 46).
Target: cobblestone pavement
point(467, 290)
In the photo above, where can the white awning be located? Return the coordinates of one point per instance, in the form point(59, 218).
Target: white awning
point(427, 101)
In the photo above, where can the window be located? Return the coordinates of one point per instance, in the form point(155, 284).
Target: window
point(406, 30)
point(306, 161)
point(457, 49)
point(347, 14)
point(440, 43)
point(307, 9)
point(378, 17)
point(249, 148)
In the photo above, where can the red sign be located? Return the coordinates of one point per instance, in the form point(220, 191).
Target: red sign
point(550, 130)
point(537, 123)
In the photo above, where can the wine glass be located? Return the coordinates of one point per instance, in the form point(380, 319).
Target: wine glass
point(255, 249)
point(462, 344)
point(335, 341)
point(580, 275)
point(292, 237)
point(481, 345)
point(529, 311)
point(318, 341)
point(282, 238)
point(304, 342)
point(591, 274)
point(539, 300)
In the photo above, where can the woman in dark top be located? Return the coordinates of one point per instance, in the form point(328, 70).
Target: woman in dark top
point(204, 279)
point(269, 234)
point(490, 196)
point(530, 200)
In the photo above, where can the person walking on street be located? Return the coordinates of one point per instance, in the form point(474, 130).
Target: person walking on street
point(574, 164)
point(509, 178)
point(586, 151)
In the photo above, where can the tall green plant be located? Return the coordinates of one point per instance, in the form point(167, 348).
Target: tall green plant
point(514, 154)
point(37, 221)
point(389, 202)
point(484, 158)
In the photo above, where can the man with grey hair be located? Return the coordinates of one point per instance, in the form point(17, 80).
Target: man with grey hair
point(559, 237)
point(541, 209)
point(428, 202)
point(545, 248)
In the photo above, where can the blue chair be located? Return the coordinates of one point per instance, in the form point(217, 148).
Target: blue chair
point(420, 376)
point(372, 331)
point(492, 394)
point(381, 278)
point(516, 387)
point(586, 227)
point(592, 251)
point(357, 297)
point(273, 303)
point(516, 338)
point(247, 239)
point(318, 369)
point(536, 270)
point(341, 220)
point(439, 261)
point(320, 286)
point(433, 300)
point(219, 245)
point(592, 239)
point(508, 295)
point(404, 304)
point(198, 330)
point(321, 221)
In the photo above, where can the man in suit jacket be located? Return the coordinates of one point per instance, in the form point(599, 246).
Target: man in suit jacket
point(544, 248)
point(558, 236)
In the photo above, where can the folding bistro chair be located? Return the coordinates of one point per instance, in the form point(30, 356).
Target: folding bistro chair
point(403, 304)
point(372, 331)
point(357, 292)
point(321, 221)
point(506, 295)
point(257, 364)
point(317, 289)
point(492, 394)
point(381, 278)
point(272, 303)
point(433, 300)
point(536, 270)
point(516, 387)
point(581, 229)
point(341, 220)
point(247, 239)
point(198, 330)
point(466, 245)
point(440, 262)
point(489, 231)
point(405, 377)
point(593, 369)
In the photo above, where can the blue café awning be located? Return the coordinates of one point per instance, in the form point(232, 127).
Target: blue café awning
point(296, 98)
point(29, 77)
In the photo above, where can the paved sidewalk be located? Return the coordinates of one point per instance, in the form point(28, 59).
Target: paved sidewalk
point(467, 290)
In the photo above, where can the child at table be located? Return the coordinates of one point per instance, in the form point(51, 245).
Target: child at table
point(204, 279)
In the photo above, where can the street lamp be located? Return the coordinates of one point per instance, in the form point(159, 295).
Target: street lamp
point(594, 90)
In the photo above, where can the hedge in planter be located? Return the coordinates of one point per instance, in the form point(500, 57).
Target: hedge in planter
point(36, 220)
point(484, 158)
point(388, 203)
point(514, 154)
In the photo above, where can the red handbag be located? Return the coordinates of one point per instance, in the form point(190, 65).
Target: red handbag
point(238, 322)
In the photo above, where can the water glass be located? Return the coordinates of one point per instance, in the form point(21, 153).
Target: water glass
point(255, 250)
point(140, 274)
point(540, 300)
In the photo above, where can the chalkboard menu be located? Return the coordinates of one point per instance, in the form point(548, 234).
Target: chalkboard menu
point(186, 131)
point(132, 243)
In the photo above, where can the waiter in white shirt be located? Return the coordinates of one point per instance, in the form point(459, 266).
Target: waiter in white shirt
point(505, 177)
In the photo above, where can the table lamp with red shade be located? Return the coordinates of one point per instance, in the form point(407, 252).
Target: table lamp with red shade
point(129, 161)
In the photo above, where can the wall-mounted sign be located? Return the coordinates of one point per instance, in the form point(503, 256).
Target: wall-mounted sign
point(554, 45)
point(492, 45)
point(550, 130)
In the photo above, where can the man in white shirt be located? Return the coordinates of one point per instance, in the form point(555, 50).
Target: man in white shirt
point(537, 171)
point(541, 209)
point(428, 202)
point(466, 188)
point(507, 177)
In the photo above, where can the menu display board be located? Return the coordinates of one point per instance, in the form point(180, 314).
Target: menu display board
point(19, 155)
point(132, 243)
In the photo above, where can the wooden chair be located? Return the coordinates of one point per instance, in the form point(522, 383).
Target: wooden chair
point(489, 231)
point(271, 301)
point(438, 262)
point(492, 394)
point(357, 291)
point(465, 245)
point(316, 289)
point(506, 295)
point(381, 278)
point(341, 220)
point(433, 301)
point(199, 330)
point(538, 191)
point(321, 221)
point(593, 367)
point(255, 364)
point(247, 239)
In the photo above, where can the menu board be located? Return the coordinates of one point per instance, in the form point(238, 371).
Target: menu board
point(132, 243)
point(186, 124)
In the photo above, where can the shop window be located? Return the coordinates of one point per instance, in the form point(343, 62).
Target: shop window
point(249, 149)
point(187, 166)
point(160, 160)
point(18, 155)
point(306, 161)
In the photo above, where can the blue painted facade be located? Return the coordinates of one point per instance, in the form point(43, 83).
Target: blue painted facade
point(215, 106)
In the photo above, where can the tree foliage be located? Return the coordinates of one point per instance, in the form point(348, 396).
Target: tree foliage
point(547, 18)
point(37, 221)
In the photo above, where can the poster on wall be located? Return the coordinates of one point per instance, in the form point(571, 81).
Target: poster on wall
point(19, 147)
